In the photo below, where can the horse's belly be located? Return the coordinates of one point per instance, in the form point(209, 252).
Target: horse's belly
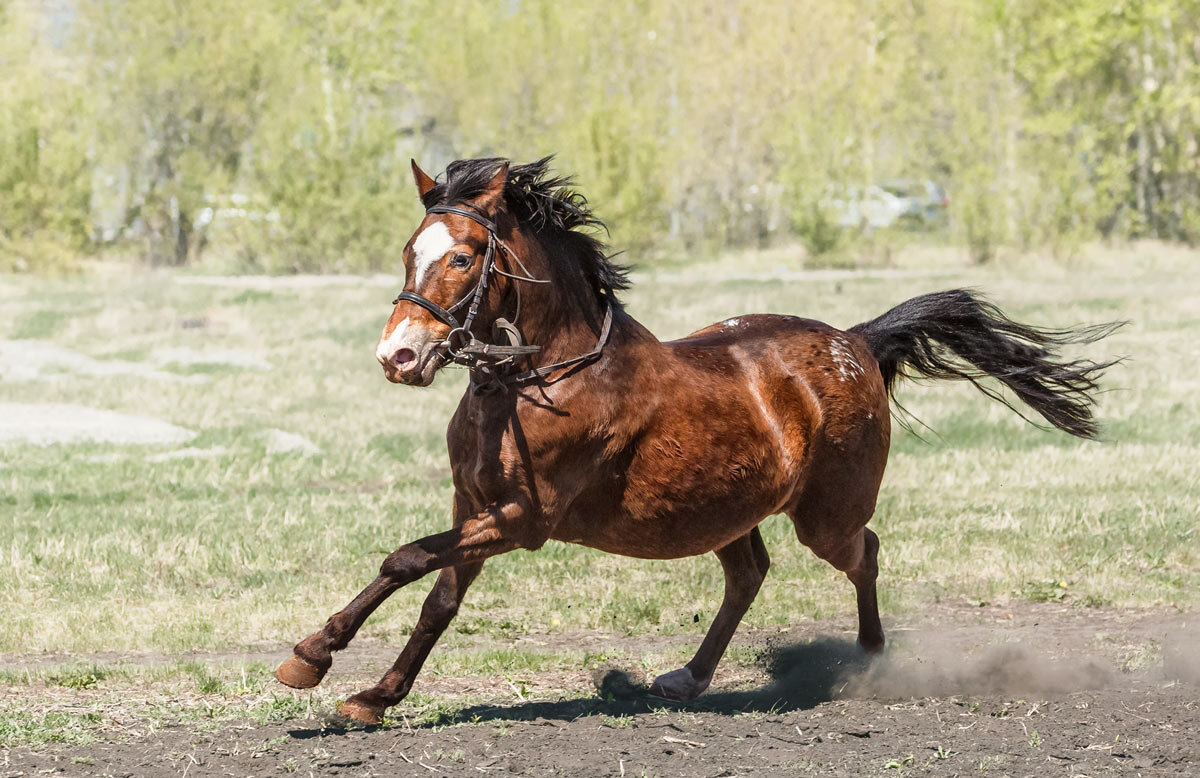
point(667, 521)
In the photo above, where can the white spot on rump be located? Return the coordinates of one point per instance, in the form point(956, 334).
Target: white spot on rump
point(732, 322)
point(430, 246)
point(843, 358)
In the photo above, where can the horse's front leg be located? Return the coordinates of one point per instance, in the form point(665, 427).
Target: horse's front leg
point(436, 614)
point(494, 531)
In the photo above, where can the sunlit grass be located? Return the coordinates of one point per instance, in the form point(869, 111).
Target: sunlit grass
point(102, 550)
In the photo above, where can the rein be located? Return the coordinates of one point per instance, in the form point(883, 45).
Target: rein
point(490, 363)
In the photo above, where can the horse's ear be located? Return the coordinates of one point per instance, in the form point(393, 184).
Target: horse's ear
point(424, 182)
point(493, 195)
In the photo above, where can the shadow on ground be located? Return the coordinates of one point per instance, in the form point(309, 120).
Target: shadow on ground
point(805, 675)
point(802, 676)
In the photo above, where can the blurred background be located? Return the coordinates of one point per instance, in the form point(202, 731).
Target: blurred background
point(203, 205)
point(271, 135)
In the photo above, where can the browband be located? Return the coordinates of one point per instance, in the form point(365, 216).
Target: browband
point(487, 223)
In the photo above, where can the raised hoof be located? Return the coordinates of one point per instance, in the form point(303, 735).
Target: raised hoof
point(360, 712)
point(299, 674)
point(678, 685)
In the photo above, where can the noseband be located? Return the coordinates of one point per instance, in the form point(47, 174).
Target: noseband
point(490, 363)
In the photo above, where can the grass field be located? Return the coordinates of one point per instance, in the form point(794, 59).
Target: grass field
point(235, 540)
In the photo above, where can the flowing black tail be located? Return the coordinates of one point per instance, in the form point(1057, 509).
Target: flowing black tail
point(958, 335)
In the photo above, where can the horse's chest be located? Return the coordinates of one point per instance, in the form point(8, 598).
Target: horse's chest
point(482, 455)
point(548, 459)
point(477, 470)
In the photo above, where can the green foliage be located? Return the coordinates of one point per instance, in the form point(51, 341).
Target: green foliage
point(18, 728)
point(1044, 591)
point(819, 233)
point(185, 88)
point(275, 136)
point(44, 170)
point(86, 677)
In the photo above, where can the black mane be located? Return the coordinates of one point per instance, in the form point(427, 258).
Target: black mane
point(544, 202)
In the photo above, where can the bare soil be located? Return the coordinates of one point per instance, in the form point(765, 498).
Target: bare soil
point(1022, 690)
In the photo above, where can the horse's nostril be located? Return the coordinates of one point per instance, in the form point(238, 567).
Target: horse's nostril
point(403, 357)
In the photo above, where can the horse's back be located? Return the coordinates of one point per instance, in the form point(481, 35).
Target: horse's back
point(833, 370)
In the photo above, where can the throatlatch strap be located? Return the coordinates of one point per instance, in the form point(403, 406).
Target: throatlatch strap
point(545, 370)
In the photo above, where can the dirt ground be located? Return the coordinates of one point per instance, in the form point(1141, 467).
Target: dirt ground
point(1020, 690)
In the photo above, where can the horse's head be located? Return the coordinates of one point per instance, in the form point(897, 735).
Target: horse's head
point(443, 263)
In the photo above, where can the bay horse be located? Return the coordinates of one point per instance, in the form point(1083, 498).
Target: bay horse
point(597, 433)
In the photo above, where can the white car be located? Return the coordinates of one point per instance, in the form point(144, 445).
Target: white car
point(914, 203)
point(873, 207)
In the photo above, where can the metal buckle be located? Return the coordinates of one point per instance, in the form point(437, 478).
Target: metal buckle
point(451, 347)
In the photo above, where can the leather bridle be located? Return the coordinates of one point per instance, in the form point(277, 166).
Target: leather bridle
point(491, 363)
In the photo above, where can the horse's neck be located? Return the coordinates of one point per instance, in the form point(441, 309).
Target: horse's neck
point(564, 317)
point(562, 329)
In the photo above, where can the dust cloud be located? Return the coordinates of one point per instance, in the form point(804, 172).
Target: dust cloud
point(1181, 656)
point(929, 664)
point(804, 675)
point(1007, 669)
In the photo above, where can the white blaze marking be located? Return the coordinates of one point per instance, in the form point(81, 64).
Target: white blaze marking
point(848, 367)
point(430, 246)
point(389, 345)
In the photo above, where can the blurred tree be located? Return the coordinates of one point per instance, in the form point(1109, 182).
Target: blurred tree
point(45, 129)
point(1116, 84)
point(182, 88)
point(278, 133)
point(332, 161)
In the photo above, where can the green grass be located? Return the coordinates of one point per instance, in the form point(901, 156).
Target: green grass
point(102, 550)
point(20, 728)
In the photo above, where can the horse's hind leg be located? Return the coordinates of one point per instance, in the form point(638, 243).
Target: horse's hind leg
point(858, 559)
point(870, 629)
point(745, 562)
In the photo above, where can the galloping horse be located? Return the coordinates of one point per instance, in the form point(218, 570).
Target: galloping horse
point(580, 426)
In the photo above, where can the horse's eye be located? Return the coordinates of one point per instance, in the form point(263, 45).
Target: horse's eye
point(461, 260)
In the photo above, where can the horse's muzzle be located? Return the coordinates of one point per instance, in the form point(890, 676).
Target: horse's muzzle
point(406, 366)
